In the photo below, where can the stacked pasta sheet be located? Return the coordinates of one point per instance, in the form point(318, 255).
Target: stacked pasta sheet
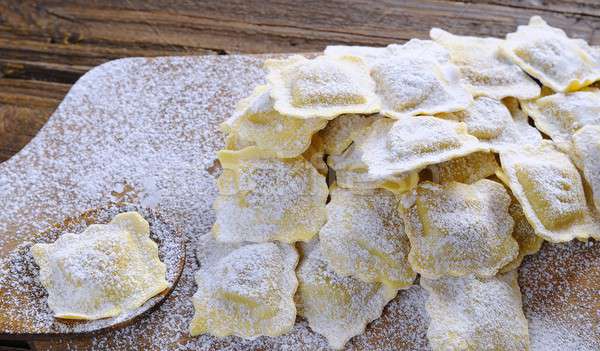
point(349, 174)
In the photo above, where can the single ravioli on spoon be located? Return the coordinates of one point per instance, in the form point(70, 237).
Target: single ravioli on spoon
point(102, 272)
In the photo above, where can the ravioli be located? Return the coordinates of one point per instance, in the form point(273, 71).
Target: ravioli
point(550, 190)
point(459, 229)
point(371, 55)
point(361, 179)
point(412, 143)
point(315, 154)
point(492, 123)
point(364, 237)
point(466, 169)
point(102, 272)
point(368, 54)
point(262, 198)
point(234, 142)
point(484, 70)
point(342, 131)
point(586, 143)
point(352, 173)
point(255, 122)
point(471, 313)
point(418, 85)
point(246, 290)
point(421, 48)
point(546, 53)
point(561, 115)
point(323, 87)
point(336, 307)
point(524, 234)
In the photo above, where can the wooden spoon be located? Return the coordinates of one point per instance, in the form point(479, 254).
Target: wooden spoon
point(22, 293)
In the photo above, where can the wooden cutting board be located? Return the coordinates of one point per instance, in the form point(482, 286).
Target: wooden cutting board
point(145, 130)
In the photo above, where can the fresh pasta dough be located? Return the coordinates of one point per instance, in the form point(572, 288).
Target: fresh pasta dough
point(323, 87)
point(476, 314)
point(586, 143)
point(412, 143)
point(460, 229)
point(364, 237)
point(466, 169)
point(246, 290)
point(262, 198)
point(560, 115)
point(484, 70)
point(336, 307)
point(255, 122)
point(550, 190)
point(103, 271)
point(546, 53)
point(493, 124)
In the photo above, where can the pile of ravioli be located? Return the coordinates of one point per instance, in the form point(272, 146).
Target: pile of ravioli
point(349, 174)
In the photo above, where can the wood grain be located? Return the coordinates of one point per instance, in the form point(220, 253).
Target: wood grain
point(45, 46)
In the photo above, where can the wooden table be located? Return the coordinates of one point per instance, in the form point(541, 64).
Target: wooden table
point(45, 46)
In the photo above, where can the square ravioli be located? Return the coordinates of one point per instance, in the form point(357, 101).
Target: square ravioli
point(550, 190)
point(412, 143)
point(484, 70)
point(495, 125)
point(323, 87)
point(466, 169)
point(246, 290)
point(364, 237)
point(335, 306)
point(255, 122)
point(546, 53)
point(560, 115)
point(107, 269)
point(476, 314)
point(459, 229)
point(416, 84)
point(262, 198)
point(586, 143)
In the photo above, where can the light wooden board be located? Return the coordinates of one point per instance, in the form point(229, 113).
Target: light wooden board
point(145, 130)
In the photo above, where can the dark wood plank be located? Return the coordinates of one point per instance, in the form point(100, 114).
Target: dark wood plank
point(32, 93)
point(57, 41)
point(6, 345)
point(18, 125)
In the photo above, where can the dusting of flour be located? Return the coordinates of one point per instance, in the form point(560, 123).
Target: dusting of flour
point(146, 129)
